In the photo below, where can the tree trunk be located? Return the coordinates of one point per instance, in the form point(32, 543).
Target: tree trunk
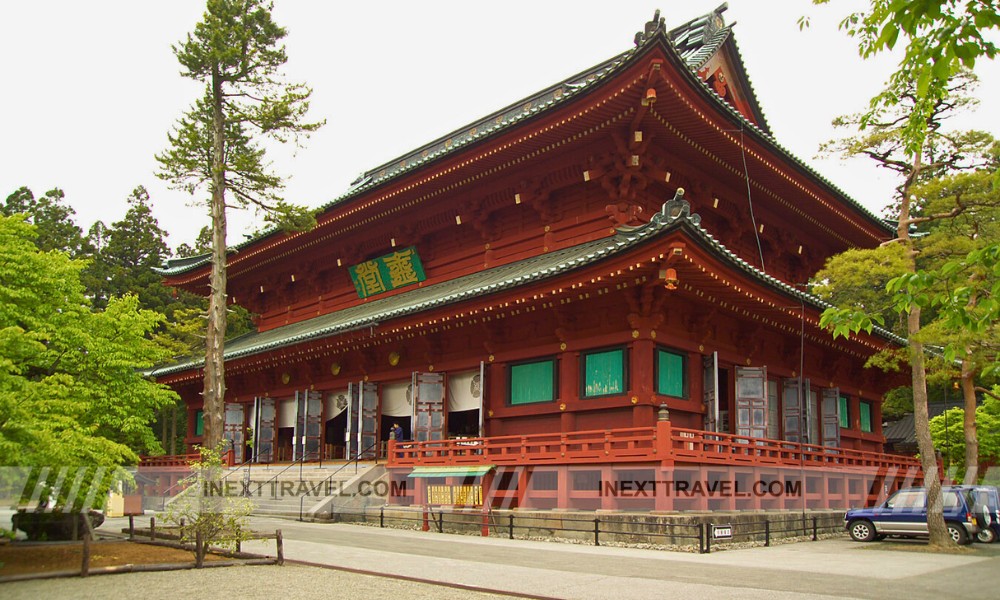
point(215, 377)
point(928, 458)
point(971, 437)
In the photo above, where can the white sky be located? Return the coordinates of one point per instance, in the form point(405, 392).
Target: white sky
point(92, 88)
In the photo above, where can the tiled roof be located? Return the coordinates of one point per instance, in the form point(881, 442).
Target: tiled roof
point(695, 41)
point(490, 281)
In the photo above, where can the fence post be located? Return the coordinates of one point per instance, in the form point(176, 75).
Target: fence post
point(279, 542)
point(152, 529)
point(701, 538)
point(597, 531)
point(767, 532)
point(440, 521)
point(814, 530)
point(85, 567)
point(131, 527)
point(381, 517)
point(485, 528)
point(425, 526)
point(199, 552)
point(510, 525)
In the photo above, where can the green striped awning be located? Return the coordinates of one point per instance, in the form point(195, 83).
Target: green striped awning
point(451, 471)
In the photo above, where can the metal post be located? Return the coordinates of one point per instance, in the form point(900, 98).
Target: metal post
point(701, 538)
point(131, 527)
point(767, 532)
point(152, 528)
point(381, 517)
point(510, 525)
point(597, 531)
point(814, 529)
point(440, 521)
point(708, 538)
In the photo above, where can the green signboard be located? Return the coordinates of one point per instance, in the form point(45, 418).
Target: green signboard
point(389, 272)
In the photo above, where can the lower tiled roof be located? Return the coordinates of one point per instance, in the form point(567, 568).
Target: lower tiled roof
point(490, 281)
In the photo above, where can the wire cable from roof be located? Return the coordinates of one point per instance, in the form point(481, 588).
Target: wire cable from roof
point(753, 220)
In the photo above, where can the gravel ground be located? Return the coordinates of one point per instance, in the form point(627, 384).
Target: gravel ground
point(245, 583)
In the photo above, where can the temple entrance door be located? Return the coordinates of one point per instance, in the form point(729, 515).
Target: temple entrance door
point(233, 430)
point(264, 431)
point(796, 427)
point(368, 421)
point(711, 387)
point(751, 401)
point(335, 412)
point(313, 425)
point(831, 417)
point(298, 435)
point(482, 398)
point(352, 435)
point(428, 407)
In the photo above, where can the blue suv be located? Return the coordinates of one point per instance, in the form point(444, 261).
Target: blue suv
point(905, 514)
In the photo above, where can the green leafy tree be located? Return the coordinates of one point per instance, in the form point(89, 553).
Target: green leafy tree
point(948, 432)
point(53, 219)
point(71, 386)
point(940, 154)
point(941, 37)
point(209, 510)
point(236, 52)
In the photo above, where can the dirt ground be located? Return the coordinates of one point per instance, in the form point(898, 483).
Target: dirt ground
point(16, 559)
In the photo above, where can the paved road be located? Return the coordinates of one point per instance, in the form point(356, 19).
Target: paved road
point(829, 568)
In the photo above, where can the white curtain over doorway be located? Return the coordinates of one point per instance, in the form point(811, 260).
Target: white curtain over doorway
point(397, 399)
point(335, 403)
point(465, 391)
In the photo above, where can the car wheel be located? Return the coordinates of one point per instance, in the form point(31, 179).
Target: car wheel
point(986, 536)
point(862, 531)
point(957, 533)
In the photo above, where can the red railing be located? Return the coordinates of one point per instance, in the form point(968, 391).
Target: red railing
point(697, 446)
point(663, 443)
point(180, 460)
point(617, 445)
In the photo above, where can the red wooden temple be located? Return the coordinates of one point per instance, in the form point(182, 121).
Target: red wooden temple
point(526, 294)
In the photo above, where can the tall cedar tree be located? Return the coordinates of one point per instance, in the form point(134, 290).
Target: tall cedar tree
point(236, 52)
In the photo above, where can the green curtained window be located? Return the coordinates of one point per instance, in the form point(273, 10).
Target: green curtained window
point(532, 382)
point(866, 417)
point(604, 373)
point(845, 421)
point(670, 374)
point(199, 423)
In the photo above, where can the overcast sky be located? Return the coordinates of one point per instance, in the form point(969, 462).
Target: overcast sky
point(92, 88)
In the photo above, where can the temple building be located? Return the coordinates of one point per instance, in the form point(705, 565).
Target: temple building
point(609, 271)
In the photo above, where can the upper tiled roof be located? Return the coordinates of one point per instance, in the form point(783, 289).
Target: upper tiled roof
point(490, 281)
point(695, 41)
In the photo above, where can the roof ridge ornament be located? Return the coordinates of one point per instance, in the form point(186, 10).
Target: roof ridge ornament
point(658, 24)
point(677, 208)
